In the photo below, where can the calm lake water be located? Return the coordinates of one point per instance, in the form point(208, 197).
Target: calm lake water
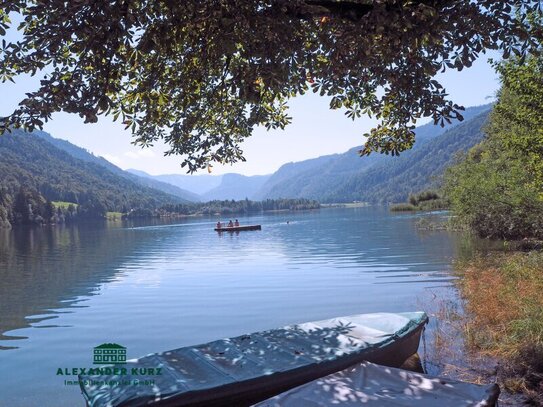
point(163, 285)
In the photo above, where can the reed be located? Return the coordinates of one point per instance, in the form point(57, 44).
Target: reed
point(503, 295)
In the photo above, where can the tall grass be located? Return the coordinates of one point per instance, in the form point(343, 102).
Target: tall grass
point(504, 303)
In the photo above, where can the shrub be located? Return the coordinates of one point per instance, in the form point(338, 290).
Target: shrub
point(403, 207)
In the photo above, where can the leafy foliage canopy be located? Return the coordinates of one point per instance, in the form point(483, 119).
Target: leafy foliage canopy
point(201, 74)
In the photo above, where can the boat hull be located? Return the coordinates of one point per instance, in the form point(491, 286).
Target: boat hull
point(239, 228)
point(247, 369)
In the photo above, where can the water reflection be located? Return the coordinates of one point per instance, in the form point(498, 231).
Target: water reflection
point(46, 269)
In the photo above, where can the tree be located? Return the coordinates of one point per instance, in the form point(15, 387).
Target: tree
point(5, 208)
point(48, 211)
point(201, 74)
point(492, 194)
point(92, 209)
point(21, 208)
point(497, 190)
point(517, 120)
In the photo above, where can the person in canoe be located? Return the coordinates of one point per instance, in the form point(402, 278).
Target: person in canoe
point(219, 224)
point(236, 223)
point(230, 224)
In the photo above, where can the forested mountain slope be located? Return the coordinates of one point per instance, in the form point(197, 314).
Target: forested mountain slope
point(417, 170)
point(82, 154)
point(378, 178)
point(32, 164)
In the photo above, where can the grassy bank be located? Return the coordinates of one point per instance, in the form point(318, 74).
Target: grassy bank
point(503, 295)
point(63, 205)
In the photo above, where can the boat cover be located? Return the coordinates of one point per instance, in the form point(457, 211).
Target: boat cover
point(367, 384)
point(254, 362)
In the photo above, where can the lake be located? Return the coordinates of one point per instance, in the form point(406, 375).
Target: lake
point(157, 285)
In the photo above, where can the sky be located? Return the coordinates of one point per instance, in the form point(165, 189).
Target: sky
point(315, 130)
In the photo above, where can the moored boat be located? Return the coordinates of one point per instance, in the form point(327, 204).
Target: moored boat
point(370, 385)
point(247, 369)
point(238, 228)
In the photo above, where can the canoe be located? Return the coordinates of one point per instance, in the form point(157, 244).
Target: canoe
point(250, 368)
point(370, 385)
point(238, 228)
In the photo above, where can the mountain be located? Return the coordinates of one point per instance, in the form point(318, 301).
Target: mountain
point(348, 177)
point(145, 181)
point(236, 186)
point(394, 179)
point(197, 184)
point(211, 187)
point(32, 162)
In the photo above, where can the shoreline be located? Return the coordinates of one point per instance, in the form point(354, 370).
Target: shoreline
point(490, 333)
point(345, 205)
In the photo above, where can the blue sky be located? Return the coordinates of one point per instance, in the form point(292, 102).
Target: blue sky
point(316, 130)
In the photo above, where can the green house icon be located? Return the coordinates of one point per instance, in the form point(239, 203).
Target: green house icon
point(109, 353)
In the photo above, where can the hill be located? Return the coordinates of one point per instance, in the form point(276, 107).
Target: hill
point(378, 178)
point(82, 154)
point(35, 171)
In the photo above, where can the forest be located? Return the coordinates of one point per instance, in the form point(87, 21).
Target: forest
point(29, 207)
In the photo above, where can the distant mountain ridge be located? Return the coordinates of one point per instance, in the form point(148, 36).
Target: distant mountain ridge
point(196, 184)
point(348, 177)
point(237, 187)
point(212, 187)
